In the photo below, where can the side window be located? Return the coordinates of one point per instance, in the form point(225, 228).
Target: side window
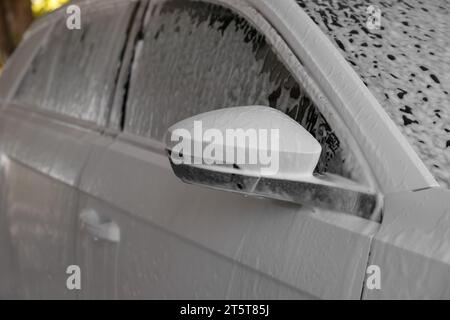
point(74, 71)
point(193, 57)
point(17, 64)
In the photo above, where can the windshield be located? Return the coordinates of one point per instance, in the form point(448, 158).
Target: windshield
point(405, 63)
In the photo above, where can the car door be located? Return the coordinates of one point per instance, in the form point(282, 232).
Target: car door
point(10, 77)
point(46, 128)
point(145, 234)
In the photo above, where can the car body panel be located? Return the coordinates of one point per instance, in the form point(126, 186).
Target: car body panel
point(39, 195)
point(411, 248)
point(152, 263)
point(39, 213)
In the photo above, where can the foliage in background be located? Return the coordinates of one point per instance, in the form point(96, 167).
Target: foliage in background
point(16, 16)
point(41, 7)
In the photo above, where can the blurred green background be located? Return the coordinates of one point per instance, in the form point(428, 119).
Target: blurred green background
point(15, 17)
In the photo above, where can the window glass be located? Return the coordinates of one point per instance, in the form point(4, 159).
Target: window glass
point(74, 71)
point(193, 57)
point(16, 64)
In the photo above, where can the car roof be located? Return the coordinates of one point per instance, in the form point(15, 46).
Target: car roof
point(405, 64)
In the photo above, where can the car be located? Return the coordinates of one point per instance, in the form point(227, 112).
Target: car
point(90, 186)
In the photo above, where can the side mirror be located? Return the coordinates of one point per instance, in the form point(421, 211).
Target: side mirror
point(260, 151)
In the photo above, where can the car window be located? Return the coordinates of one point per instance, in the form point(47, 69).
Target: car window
point(74, 71)
point(16, 64)
point(192, 57)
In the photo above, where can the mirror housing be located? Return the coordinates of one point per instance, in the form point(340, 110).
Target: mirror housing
point(258, 140)
point(261, 151)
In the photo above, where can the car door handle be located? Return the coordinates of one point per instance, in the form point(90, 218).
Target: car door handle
point(98, 229)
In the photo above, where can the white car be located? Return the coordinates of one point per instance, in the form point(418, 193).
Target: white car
point(88, 182)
